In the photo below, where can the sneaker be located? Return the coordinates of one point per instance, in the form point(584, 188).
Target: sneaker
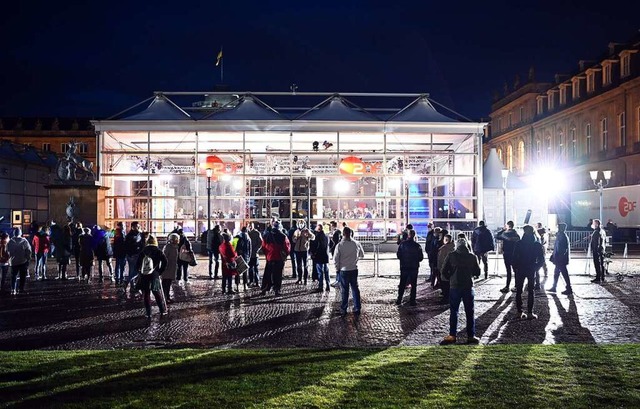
point(334, 284)
point(523, 315)
point(504, 290)
point(532, 316)
point(473, 340)
point(164, 313)
point(448, 340)
point(567, 292)
point(552, 290)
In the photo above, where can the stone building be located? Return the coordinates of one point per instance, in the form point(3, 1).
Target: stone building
point(585, 121)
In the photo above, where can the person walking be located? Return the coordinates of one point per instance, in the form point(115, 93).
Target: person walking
point(170, 251)
point(509, 238)
point(86, 254)
point(150, 265)
point(319, 250)
point(63, 251)
point(214, 240)
point(346, 257)
point(4, 259)
point(119, 253)
point(276, 247)
point(254, 261)
point(301, 238)
point(184, 253)
point(19, 251)
point(528, 256)
point(460, 268)
point(229, 266)
point(133, 245)
point(448, 246)
point(410, 255)
point(103, 251)
point(482, 244)
point(597, 244)
point(560, 257)
point(41, 246)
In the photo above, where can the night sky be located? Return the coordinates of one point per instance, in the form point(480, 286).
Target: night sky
point(95, 59)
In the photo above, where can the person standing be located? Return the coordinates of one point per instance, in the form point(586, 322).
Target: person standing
point(103, 250)
point(319, 250)
point(119, 253)
point(336, 236)
point(528, 256)
point(410, 255)
point(560, 257)
point(63, 251)
point(214, 240)
point(254, 260)
point(4, 259)
point(150, 265)
point(292, 255)
point(133, 245)
point(302, 237)
point(243, 249)
point(460, 267)
point(346, 257)
point(482, 244)
point(75, 240)
point(86, 253)
point(170, 251)
point(229, 267)
point(432, 254)
point(41, 246)
point(276, 247)
point(597, 243)
point(509, 238)
point(184, 250)
point(448, 246)
point(428, 247)
point(19, 251)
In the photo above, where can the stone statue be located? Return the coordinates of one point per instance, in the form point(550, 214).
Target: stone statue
point(72, 210)
point(73, 167)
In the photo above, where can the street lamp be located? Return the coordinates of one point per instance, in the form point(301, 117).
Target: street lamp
point(505, 176)
point(600, 184)
point(308, 172)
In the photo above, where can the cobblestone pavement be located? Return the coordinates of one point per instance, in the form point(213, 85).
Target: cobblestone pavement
point(69, 314)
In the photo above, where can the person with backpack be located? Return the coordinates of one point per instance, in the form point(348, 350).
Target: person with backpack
point(482, 244)
point(185, 254)
point(150, 265)
point(19, 251)
point(276, 247)
point(214, 240)
point(229, 266)
point(133, 245)
point(86, 254)
point(243, 249)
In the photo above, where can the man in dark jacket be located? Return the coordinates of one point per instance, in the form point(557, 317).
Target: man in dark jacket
point(76, 232)
point(528, 256)
point(598, 239)
point(290, 234)
point(319, 251)
point(150, 265)
point(214, 240)
point(509, 238)
point(560, 257)
point(428, 247)
point(336, 237)
point(482, 244)
point(254, 261)
point(133, 245)
point(410, 255)
point(460, 267)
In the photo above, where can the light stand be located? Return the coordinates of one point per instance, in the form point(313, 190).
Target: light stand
point(600, 184)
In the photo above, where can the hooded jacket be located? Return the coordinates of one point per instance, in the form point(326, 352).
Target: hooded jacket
point(528, 254)
point(481, 240)
point(460, 267)
point(19, 251)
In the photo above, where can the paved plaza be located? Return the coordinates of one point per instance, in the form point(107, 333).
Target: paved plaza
point(69, 314)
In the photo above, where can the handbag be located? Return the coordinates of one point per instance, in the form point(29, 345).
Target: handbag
point(186, 255)
point(241, 265)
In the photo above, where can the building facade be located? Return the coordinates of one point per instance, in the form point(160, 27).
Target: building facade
point(579, 123)
point(323, 157)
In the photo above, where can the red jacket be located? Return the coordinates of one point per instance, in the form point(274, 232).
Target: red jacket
point(41, 243)
point(228, 255)
point(274, 248)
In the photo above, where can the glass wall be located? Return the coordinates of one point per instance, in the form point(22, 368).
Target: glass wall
point(374, 182)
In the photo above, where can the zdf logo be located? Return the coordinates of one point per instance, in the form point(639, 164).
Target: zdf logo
point(625, 206)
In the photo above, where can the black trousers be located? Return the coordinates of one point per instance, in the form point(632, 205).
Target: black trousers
point(598, 263)
point(272, 277)
point(561, 269)
point(509, 267)
point(485, 260)
point(411, 277)
point(528, 275)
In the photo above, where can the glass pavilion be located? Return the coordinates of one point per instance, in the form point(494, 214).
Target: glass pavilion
point(321, 157)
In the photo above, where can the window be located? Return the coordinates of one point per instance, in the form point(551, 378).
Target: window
point(548, 147)
point(551, 101)
point(46, 147)
point(591, 82)
point(499, 124)
point(509, 157)
point(625, 65)
point(574, 144)
point(622, 129)
point(521, 114)
point(540, 106)
point(604, 133)
point(64, 147)
point(563, 95)
point(521, 157)
point(576, 89)
point(83, 148)
point(606, 77)
point(588, 137)
point(500, 154)
point(538, 150)
point(561, 146)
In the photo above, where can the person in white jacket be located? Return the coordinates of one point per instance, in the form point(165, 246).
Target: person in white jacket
point(19, 251)
point(346, 256)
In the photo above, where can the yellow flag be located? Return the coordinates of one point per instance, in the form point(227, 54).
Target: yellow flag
point(219, 58)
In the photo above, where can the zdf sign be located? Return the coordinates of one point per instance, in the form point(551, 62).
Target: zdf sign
point(625, 206)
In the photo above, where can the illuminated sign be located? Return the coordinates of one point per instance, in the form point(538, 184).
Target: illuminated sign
point(625, 206)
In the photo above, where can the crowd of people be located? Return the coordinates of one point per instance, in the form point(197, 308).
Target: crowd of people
point(454, 262)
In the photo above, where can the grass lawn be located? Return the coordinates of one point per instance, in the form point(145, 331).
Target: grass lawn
point(514, 376)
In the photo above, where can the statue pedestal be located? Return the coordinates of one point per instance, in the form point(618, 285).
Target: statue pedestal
point(89, 199)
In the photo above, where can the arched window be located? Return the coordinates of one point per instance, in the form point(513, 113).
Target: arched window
point(587, 134)
point(499, 150)
point(521, 157)
point(573, 143)
point(562, 149)
point(509, 157)
point(548, 152)
point(538, 150)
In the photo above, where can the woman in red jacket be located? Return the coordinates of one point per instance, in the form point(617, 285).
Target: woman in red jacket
point(41, 244)
point(229, 266)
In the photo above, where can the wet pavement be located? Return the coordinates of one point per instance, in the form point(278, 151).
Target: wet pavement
point(55, 314)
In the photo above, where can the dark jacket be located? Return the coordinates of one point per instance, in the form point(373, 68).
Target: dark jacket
point(133, 243)
point(430, 241)
point(319, 248)
point(597, 241)
point(481, 240)
point(86, 250)
point(459, 268)
point(118, 244)
point(75, 241)
point(243, 246)
point(63, 247)
point(561, 252)
point(509, 239)
point(214, 240)
point(410, 255)
point(103, 249)
point(336, 236)
point(158, 257)
point(528, 254)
